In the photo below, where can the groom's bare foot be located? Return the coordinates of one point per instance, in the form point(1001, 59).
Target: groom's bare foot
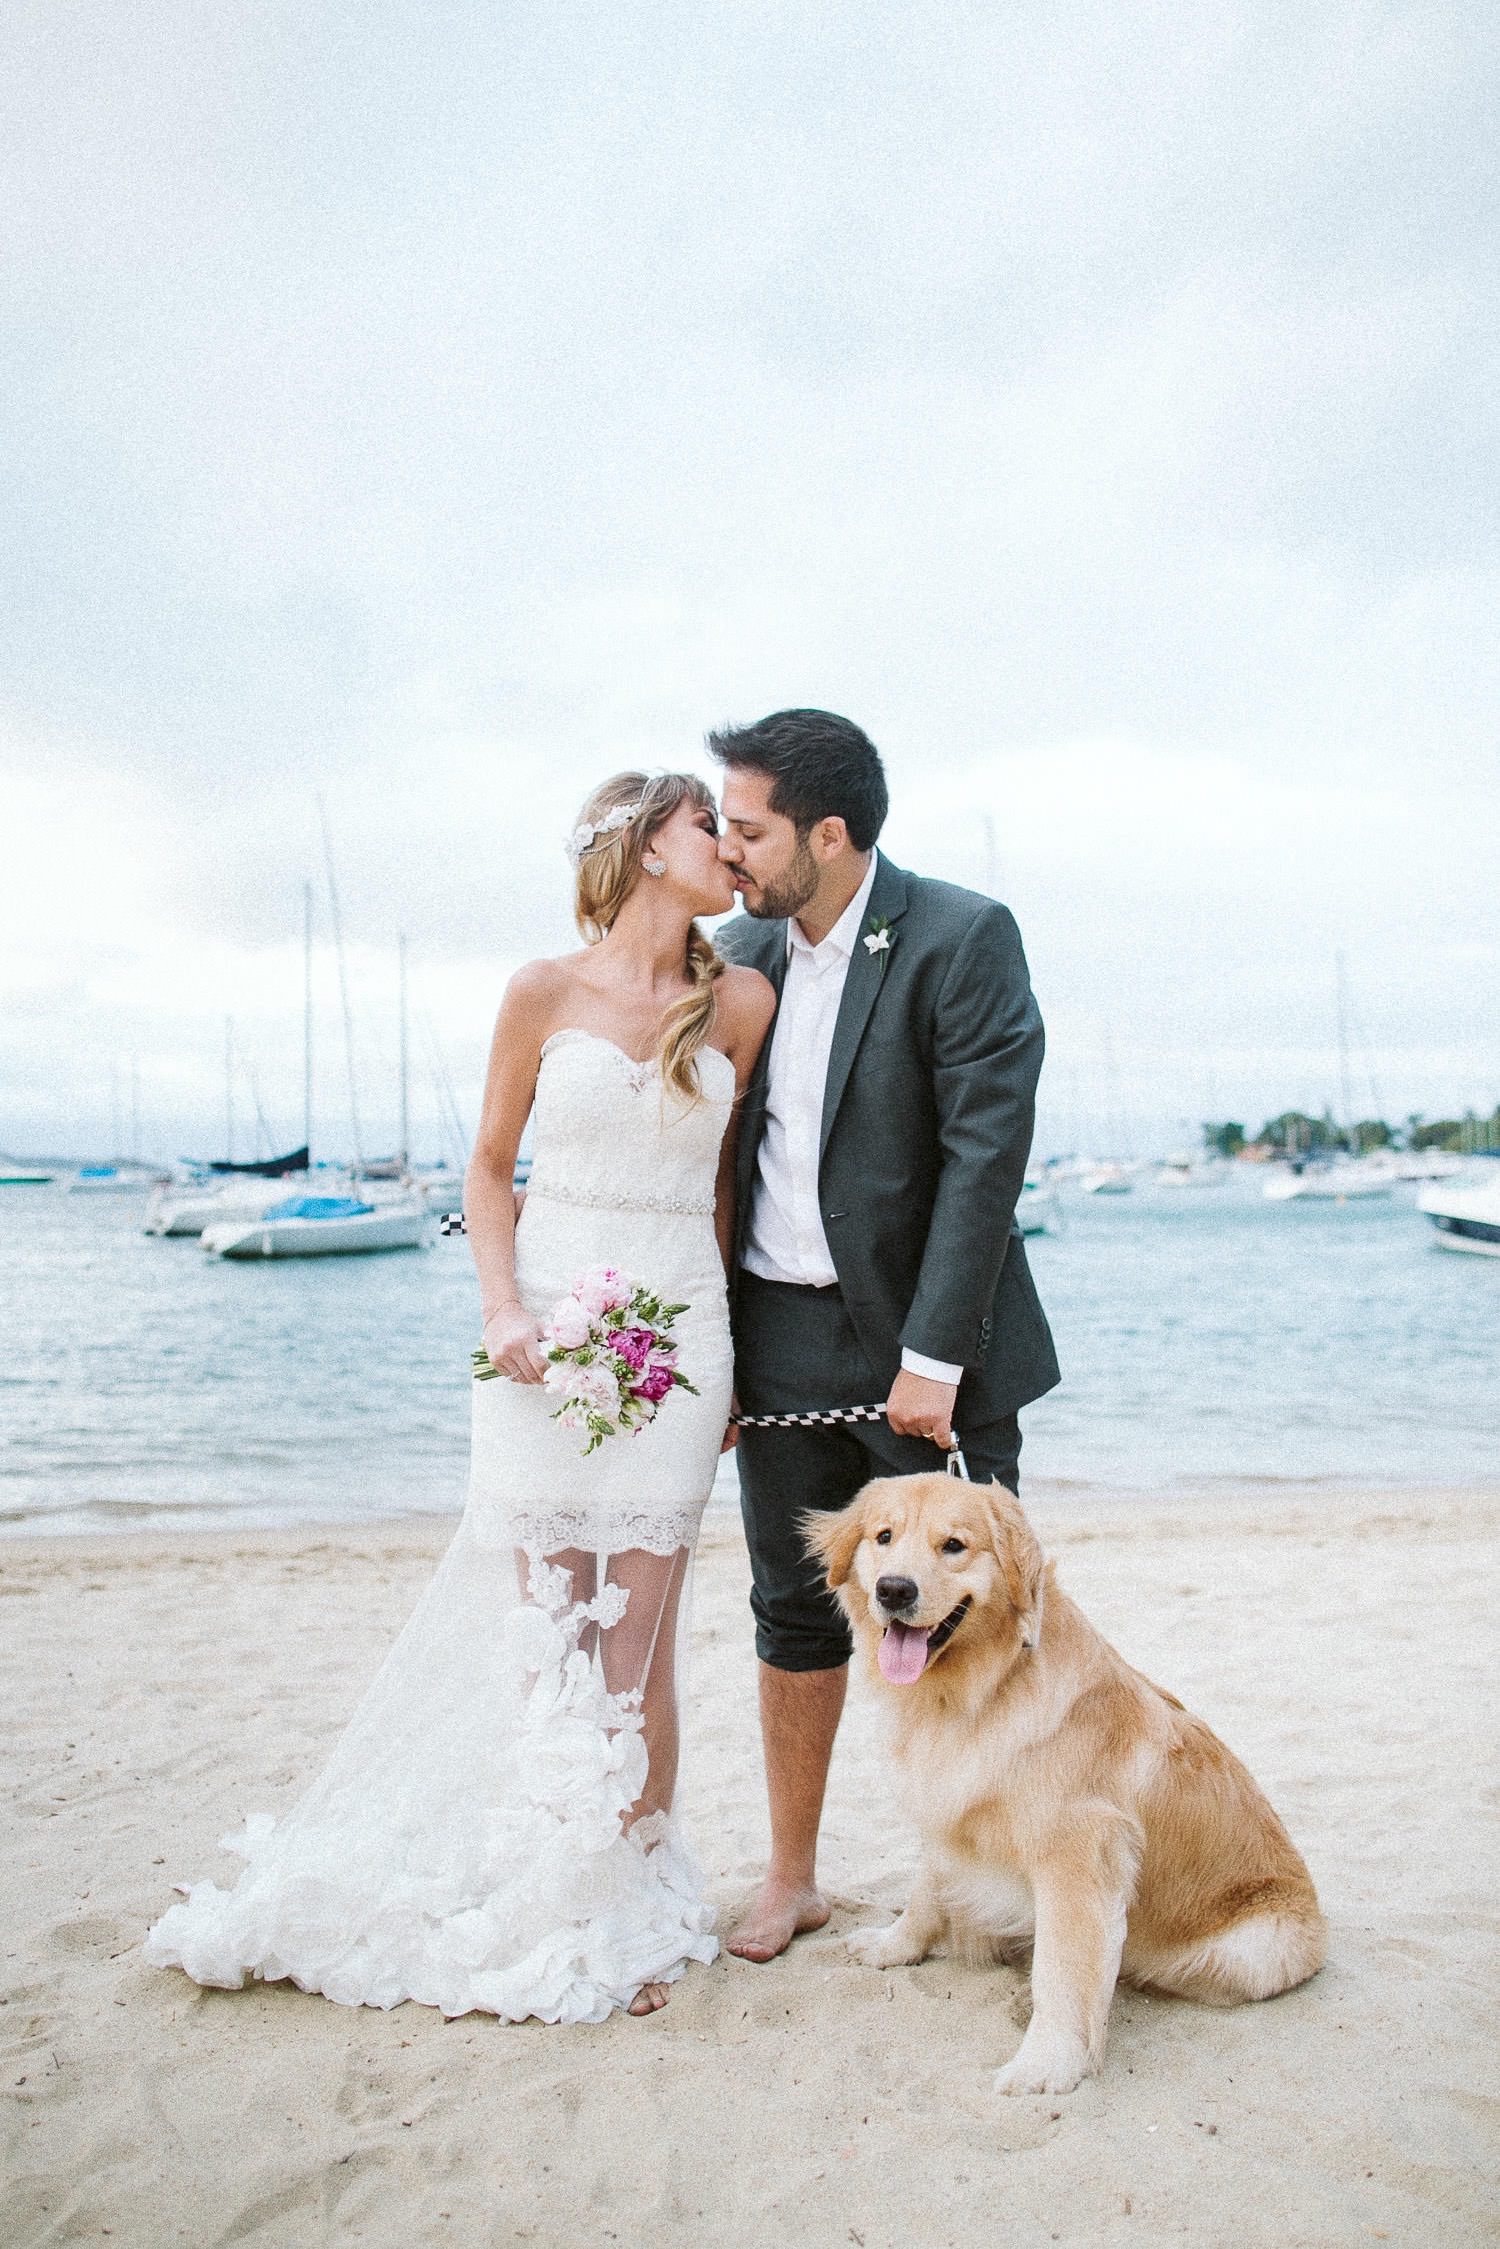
point(648, 1999)
point(774, 1916)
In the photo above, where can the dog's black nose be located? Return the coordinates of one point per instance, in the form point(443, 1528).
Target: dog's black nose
point(895, 1592)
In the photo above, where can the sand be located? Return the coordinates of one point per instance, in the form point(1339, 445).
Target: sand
point(156, 1688)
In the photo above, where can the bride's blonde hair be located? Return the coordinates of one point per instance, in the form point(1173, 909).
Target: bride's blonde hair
point(607, 857)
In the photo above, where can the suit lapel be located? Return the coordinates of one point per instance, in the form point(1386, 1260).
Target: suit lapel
point(867, 973)
point(765, 949)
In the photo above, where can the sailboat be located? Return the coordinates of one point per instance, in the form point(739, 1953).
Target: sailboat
point(335, 1225)
point(323, 1226)
point(1332, 1178)
point(243, 1191)
point(123, 1175)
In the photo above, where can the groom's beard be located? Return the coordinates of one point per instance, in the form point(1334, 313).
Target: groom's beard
point(790, 892)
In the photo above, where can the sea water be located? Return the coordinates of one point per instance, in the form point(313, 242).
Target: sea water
point(1209, 1341)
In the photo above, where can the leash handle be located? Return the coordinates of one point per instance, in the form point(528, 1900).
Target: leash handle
point(830, 1417)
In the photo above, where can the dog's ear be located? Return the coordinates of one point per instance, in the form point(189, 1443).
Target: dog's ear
point(1021, 1560)
point(833, 1537)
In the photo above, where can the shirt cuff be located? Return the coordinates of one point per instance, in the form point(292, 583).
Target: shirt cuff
point(936, 1370)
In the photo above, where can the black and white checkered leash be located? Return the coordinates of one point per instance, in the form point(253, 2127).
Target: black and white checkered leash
point(828, 1417)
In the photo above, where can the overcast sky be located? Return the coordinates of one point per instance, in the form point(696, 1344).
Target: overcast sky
point(446, 404)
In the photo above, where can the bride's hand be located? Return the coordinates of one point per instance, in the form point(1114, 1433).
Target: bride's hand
point(511, 1340)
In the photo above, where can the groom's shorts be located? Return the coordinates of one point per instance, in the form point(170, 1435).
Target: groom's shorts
point(796, 1351)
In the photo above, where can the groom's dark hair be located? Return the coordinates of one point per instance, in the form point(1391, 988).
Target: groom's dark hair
point(820, 766)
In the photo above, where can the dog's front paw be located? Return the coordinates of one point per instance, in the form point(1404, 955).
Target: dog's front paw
point(1044, 2065)
point(885, 1948)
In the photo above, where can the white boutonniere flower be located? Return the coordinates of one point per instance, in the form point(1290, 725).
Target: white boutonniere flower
point(879, 939)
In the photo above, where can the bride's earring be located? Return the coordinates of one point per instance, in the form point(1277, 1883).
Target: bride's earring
point(653, 865)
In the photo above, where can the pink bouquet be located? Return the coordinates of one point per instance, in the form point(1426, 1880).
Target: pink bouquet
point(610, 1357)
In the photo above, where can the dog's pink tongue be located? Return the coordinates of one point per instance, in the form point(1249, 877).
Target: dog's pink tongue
point(903, 1653)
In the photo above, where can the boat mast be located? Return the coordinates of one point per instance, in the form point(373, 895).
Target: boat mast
point(338, 946)
point(447, 1104)
point(404, 1150)
point(307, 1020)
point(1346, 1098)
point(229, 1088)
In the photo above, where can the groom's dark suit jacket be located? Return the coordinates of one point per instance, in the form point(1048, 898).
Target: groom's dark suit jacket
point(927, 1119)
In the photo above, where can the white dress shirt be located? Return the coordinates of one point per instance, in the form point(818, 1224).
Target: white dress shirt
point(785, 1240)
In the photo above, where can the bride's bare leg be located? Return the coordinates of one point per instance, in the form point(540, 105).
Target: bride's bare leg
point(640, 1655)
point(582, 1582)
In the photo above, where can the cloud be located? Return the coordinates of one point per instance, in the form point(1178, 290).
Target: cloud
point(440, 409)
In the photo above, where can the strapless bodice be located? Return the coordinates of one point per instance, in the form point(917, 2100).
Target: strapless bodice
point(610, 1136)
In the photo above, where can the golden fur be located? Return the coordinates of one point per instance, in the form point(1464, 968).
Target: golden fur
point(1064, 1802)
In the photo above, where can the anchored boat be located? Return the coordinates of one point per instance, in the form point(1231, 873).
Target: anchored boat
point(1466, 1215)
point(323, 1226)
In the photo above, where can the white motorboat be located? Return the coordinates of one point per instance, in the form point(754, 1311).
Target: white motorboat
point(23, 1175)
point(1105, 1179)
point(324, 1226)
point(1342, 1180)
point(1465, 1213)
point(115, 1179)
point(179, 1211)
point(1187, 1171)
point(1424, 1164)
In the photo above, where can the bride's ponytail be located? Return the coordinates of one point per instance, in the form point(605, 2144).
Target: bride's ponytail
point(688, 1021)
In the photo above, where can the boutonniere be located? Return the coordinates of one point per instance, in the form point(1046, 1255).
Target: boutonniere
point(878, 939)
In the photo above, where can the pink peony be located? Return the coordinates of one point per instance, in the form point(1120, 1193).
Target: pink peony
point(592, 1387)
point(570, 1324)
point(654, 1384)
point(633, 1345)
point(602, 1290)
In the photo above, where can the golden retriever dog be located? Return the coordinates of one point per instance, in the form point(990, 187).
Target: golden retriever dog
point(1064, 1802)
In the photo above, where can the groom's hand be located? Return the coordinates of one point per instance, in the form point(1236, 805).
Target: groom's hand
point(920, 1407)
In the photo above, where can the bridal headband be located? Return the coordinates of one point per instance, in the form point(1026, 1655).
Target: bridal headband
point(585, 837)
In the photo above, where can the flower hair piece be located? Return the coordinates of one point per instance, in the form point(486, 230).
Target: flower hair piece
point(585, 837)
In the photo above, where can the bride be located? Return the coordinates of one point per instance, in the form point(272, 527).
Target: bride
point(494, 1828)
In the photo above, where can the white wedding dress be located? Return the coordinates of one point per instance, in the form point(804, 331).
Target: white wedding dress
point(469, 1843)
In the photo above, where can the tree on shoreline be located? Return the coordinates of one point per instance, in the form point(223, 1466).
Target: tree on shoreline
point(1295, 1133)
point(1467, 1135)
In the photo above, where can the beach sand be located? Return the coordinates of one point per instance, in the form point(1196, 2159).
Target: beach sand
point(155, 1689)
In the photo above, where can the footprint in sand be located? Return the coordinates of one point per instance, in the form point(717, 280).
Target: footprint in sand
point(91, 1933)
point(364, 2097)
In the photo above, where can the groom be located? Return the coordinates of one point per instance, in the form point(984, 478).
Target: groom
point(882, 1148)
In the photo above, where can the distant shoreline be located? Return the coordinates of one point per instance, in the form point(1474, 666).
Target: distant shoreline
point(1233, 1506)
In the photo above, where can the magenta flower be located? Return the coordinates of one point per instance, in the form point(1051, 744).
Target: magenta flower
point(654, 1384)
point(633, 1345)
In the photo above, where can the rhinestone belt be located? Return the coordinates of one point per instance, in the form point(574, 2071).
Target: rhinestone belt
point(589, 1198)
